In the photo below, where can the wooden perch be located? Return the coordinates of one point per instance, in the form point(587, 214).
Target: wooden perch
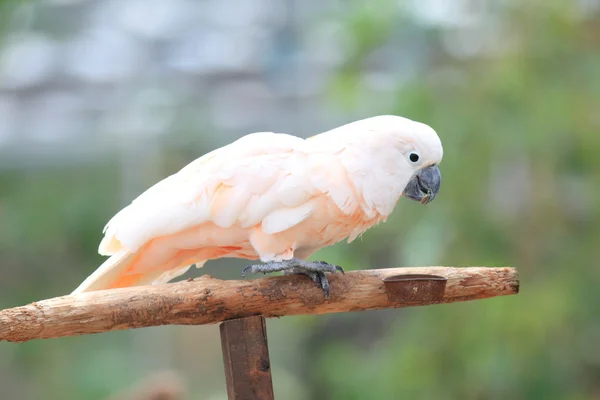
point(207, 301)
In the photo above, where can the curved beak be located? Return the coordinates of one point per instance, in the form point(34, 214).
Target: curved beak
point(424, 185)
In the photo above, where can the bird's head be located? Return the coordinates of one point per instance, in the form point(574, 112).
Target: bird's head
point(422, 150)
point(391, 156)
point(417, 153)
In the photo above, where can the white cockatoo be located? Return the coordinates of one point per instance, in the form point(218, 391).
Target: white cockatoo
point(273, 197)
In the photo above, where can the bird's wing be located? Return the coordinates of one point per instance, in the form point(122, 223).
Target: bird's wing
point(263, 178)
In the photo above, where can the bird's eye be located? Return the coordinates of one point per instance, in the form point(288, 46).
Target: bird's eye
point(414, 157)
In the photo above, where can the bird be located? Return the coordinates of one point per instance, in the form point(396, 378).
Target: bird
point(272, 197)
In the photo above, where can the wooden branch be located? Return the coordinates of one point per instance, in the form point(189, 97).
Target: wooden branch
point(207, 301)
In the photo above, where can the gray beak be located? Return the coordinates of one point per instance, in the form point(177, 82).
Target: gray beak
point(424, 185)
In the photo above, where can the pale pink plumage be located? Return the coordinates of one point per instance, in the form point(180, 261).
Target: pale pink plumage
point(265, 196)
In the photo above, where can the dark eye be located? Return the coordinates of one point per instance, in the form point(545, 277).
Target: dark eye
point(413, 157)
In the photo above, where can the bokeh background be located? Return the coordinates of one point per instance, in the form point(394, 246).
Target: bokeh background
point(100, 99)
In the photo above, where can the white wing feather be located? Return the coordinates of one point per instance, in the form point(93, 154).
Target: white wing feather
point(267, 180)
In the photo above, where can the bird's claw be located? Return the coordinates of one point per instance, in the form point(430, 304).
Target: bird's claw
point(340, 269)
point(329, 267)
point(319, 278)
point(246, 268)
point(315, 270)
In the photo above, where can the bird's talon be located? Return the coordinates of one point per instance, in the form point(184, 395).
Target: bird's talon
point(246, 270)
point(325, 286)
point(339, 269)
point(318, 280)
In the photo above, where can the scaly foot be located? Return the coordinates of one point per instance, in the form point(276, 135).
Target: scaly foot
point(315, 270)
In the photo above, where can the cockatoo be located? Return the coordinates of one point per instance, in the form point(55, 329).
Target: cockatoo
point(271, 197)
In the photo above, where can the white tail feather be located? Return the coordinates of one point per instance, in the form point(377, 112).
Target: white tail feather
point(113, 268)
point(106, 273)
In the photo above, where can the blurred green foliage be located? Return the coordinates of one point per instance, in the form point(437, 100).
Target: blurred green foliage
point(521, 181)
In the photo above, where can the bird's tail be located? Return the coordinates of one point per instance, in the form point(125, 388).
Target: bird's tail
point(115, 272)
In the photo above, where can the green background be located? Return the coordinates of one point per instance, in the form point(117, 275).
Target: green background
point(521, 186)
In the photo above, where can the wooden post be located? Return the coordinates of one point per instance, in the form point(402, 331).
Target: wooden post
point(246, 359)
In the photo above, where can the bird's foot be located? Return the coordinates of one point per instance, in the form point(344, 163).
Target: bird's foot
point(315, 270)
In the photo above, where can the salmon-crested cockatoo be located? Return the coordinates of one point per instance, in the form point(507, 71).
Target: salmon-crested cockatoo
point(273, 197)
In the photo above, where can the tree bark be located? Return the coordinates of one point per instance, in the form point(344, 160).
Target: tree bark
point(207, 300)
